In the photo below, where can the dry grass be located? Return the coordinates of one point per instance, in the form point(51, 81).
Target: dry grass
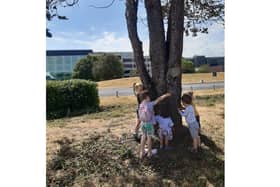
point(186, 78)
point(77, 135)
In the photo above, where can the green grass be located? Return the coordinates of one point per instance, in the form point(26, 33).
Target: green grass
point(104, 159)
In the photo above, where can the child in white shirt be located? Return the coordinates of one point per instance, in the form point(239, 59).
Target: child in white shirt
point(189, 115)
point(165, 129)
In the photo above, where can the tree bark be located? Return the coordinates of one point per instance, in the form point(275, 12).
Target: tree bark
point(165, 54)
point(157, 45)
point(131, 19)
point(175, 47)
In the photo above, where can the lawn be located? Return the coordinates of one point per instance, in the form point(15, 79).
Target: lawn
point(96, 149)
point(186, 78)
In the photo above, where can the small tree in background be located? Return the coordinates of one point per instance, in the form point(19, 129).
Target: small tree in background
point(187, 66)
point(107, 67)
point(83, 69)
point(204, 69)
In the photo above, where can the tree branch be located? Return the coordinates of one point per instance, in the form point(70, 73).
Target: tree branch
point(106, 6)
point(131, 19)
point(157, 43)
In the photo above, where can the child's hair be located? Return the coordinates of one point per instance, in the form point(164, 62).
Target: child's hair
point(190, 93)
point(186, 98)
point(137, 87)
point(144, 95)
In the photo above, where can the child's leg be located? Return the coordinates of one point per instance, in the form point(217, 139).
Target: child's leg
point(149, 140)
point(137, 125)
point(166, 141)
point(198, 141)
point(142, 145)
point(195, 143)
point(161, 141)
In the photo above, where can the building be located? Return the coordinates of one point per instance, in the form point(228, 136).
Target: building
point(64, 61)
point(216, 64)
point(128, 62)
point(211, 61)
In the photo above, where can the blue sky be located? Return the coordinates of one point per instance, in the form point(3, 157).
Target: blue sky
point(105, 30)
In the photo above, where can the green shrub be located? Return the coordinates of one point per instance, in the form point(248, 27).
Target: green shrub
point(83, 69)
point(107, 67)
point(71, 95)
point(203, 69)
point(187, 66)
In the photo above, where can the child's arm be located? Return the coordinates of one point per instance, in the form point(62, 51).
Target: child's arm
point(182, 112)
point(159, 99)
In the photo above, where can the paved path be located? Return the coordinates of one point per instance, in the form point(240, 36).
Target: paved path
point(126, 91)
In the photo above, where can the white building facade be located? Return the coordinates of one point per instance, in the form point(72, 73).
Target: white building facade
point(64, 61)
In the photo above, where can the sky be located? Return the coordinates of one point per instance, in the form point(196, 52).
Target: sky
point(105, 30)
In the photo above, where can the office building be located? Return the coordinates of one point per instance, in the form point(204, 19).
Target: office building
point(64, 61)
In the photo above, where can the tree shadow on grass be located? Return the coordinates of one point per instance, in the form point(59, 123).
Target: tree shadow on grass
point(103, 159)
point(181, 168)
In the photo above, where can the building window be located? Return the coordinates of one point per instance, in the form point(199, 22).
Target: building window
point(128, 65)
point(127, 59)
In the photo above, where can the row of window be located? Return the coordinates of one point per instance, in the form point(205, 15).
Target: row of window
point(62, 63)
point(67, 63)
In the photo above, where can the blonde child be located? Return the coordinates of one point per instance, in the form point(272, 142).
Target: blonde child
point(147, 118)
point(137, 88)
point(197, 117)
point(189, 115)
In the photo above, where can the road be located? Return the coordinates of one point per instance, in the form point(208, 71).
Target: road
point(186, 87)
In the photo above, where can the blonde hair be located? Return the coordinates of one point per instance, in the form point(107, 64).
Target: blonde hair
point(137, 87)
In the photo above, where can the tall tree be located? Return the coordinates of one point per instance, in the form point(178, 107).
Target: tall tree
point(166, 46)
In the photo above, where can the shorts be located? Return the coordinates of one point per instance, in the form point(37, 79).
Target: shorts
point(198, 120)
point(147, 129)
point(165, 133)
point(194, 129)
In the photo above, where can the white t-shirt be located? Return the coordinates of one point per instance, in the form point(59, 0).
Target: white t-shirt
point(189, 114)
point(164, 123)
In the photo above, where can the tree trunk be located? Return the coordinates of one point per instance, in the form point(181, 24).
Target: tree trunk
point(131, 19)
point(157, 45)
point(175, 48)
point(165, 53)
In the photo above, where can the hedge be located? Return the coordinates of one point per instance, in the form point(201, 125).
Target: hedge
point(71, 96)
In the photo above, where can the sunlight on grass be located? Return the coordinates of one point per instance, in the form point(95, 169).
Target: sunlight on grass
point(186, 78)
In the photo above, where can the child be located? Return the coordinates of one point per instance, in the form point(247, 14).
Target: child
point(137, 88)
point(147, 118)
point(197, 117)
point(189, 115)
point(165, 129)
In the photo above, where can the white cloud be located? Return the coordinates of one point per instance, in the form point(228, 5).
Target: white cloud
point(211, 44)
point(108, 41)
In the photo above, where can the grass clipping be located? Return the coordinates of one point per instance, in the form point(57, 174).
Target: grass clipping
point(108, 160)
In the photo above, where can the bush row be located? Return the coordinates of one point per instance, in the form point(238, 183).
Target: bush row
point(70, 96)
